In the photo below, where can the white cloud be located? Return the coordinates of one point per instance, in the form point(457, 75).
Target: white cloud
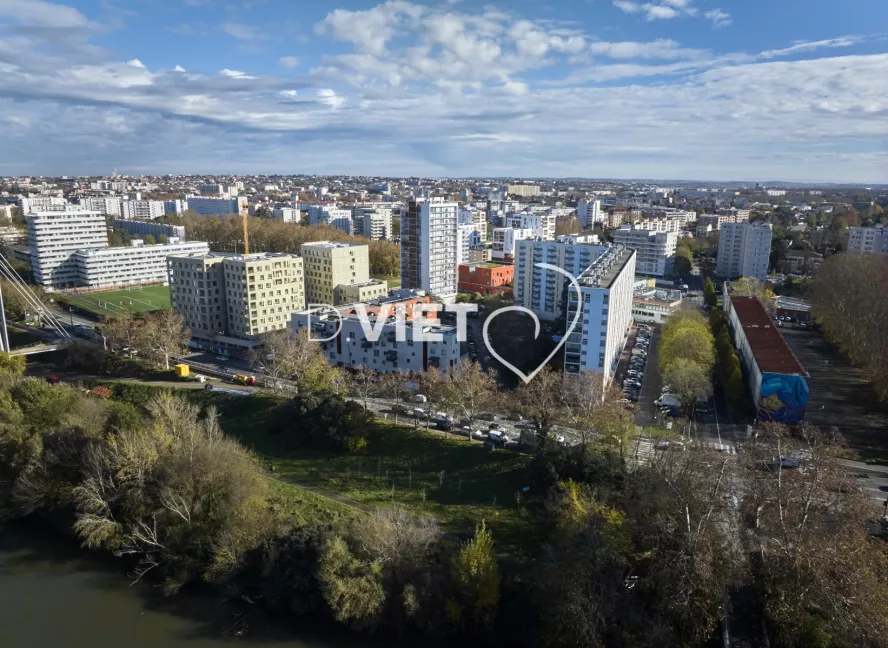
point(178, 68)
point(38, 13)
point(240, 31)
point(235, 74)
point(809, 46)
point(660, 10)
point(289, 62)
point(136, 63)
point(718, 17)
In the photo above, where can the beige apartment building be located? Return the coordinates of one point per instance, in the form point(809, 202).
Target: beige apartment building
point(363, 292)
point(331, 266)
point(227, 299)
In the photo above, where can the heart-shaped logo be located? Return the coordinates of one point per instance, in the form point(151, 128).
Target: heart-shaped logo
point(528, 377)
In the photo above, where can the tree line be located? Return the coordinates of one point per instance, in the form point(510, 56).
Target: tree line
point(849, 300)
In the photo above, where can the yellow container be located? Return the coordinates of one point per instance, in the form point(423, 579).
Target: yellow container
point(182, 370)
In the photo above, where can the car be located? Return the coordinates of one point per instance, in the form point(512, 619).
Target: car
point(632, 381)
point(789, 462)
point(497, 436)
point(494, 426)
point(557, 438)
point(469, 431)
point(443, 424)
point(667, 445)
point(419, 413)
point(702, 409)
point(222, 358)
point(53, 380)
point(419, 398)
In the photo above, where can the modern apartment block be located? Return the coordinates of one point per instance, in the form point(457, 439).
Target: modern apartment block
point(351, 348)
point(541, 289)
point(133, 265)
point(108, 206)
point(468, 236)
point(542, 224)
point(473, 216)
point(142, 209)
point(606, 288)
point(744, 250)
point(330, 215)
point(38, 204)
point(505, 242)
point(287, 214)
point(707, 223)
point(589, 212)
point(331, 265)
point(53, 238)
point(523, 190)
point(373, 222)
point(216, 206)
point(868, 239)
point(228, 301)
point(655, 249)
point(429, 248)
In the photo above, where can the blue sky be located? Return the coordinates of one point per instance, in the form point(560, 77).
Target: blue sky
point(669, 89)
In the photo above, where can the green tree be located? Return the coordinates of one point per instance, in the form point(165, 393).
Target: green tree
point(352, 587)
point(709, 294)
point(148, 239)
point(476, 579)
point(689, 380)
point(163, 239)
point(11, 364)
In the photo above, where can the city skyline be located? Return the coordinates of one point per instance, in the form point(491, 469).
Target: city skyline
point(705, 90)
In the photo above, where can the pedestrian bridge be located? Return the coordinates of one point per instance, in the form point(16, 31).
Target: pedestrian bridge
point(39, 347)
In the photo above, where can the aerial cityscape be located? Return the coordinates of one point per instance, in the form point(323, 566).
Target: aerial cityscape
point(432, 324)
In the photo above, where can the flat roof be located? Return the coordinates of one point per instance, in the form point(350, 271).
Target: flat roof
point(771, 351)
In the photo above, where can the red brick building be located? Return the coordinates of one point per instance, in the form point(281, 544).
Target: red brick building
point(486, 278)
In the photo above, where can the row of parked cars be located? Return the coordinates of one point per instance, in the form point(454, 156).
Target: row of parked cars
point(635, 370)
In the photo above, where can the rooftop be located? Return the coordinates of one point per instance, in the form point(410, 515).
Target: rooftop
point(771, 351)
point(330, 244)
point(606, 268)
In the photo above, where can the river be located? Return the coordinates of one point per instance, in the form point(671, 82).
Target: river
point(54, 594)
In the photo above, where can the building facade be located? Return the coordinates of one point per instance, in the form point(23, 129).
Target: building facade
point(107, 206)
point(868, 239)
point(216, 206)
point(53, 238)
point(386, 354)
point(589, 212)
point(542, 290)
point(606, 290)
point(129, 266)
point(373, 222)
point(655, 250)
point(541, 224)
point(486, 278)
point(331, 264)
point(744, 250)
point(37, 204)
point(654, 305)
point(429, 248)
point(142, 209)
point(330, 215)
point(142, 228)
point(505, 242)
point(287, 214)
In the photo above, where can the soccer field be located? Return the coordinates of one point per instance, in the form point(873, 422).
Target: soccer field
point(138, 299)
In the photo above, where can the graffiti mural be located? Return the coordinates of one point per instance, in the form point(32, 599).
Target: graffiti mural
point(782, 398)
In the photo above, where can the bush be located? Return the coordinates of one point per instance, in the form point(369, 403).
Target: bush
point(325, 422)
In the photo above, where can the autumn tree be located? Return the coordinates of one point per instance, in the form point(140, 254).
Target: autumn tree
point(163, 333)
point(469, 390)
point(593, 410)
point(11, 364)
point(476, 579)
point(541, 402)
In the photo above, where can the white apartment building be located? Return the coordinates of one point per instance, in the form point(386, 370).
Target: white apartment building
point(287, 214)
point(373, 222)
point(111, 206)
point(54, 236)
point(589, 212)
point(429, 248)
point(213, 189)
point(659, 224)
point(129, 266)
point(38, 204)
point(541, 289)
point(542, 224)
point(475, 216)
point(606, 288)
point(655, 250)
point(328, 265)
point(505, 242)
point(330, 215)
point(142, 209)
point(744, 250)
point(385, 354)
point(468, 237)
point(868, 239)
point(142, 228)
point(216, 206)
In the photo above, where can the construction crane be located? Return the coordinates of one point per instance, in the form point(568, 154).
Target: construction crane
point(245, 214)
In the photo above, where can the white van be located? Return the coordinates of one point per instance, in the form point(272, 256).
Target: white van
point(419, 398)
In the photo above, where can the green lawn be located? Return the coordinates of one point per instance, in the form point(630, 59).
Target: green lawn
point(138, 299)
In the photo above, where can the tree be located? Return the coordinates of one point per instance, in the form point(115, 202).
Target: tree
point(163, 239)
point(686, 334)
point(163, 333)
point(541, 401)
point(11, 364)
point(393, 387)
point(296, 357)
point(816, 569)
point(149, 239)
point(469, 390)
point(683, 261)
point(352, 587)
point(689, 380)
point(476, 579)
point(593, 409)
point(363, 381)
point(431, 385)
point(709, 294)
point(752, 287)
point(123, 331)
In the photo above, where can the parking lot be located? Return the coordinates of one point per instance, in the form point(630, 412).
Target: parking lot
point(839, 396)
point(650, 386)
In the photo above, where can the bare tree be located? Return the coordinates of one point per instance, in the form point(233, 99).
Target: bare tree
point(592, 407)
point(393, 387)
point(470, 390)
point(542, 402)
point(363, 383)
point(164, 334)
point(431, 384)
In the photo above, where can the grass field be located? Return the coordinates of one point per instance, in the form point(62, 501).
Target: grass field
point(138, 299)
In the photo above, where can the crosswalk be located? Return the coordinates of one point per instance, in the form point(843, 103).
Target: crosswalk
point(648, 447)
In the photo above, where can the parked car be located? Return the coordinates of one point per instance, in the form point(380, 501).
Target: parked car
point(419, 413)
point(220, 358)
point(53, 380)
point(443, 424)
point(419, 398)
point(666, 445)
point(498, 436)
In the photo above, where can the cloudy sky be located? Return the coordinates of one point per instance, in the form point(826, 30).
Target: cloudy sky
point(670, 89)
